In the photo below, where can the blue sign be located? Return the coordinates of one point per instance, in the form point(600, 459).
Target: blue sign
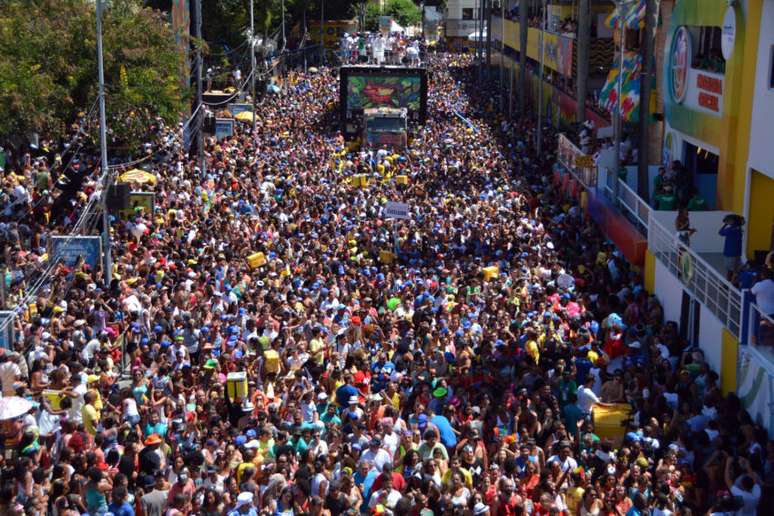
point(224, 128)
point(236, 108)
point(7, 318)
point(69, 248)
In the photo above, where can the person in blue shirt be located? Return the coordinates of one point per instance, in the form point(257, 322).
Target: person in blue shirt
point(445, 429)
point(346, 391)
point(119, 505)
point(732, 243)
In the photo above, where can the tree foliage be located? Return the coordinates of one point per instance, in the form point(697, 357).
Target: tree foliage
point(48, 68)
point(405, 12)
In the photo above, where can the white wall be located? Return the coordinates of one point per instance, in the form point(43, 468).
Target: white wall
point(711, 338)
point(707, 224)
point(669, 292)
point(454, 8)
point(761, 156)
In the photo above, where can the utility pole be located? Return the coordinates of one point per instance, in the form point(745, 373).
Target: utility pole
point(488, 14)
point(582, 76)
point(618, 120)
point(648, 47)
point(322, 32)
point(523, 28)
point(480, 42)
point(540, 82)
point(199, 91)
point(284, 41)
point(107, 272)
point(252, 61)
point(502, 56)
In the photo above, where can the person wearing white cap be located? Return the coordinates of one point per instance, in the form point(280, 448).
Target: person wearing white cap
point(244, 505)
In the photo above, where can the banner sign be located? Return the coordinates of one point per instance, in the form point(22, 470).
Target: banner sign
point(144, 200)
point(70, 248)
point(236, 108)
point(397, 210)
point(580, 165)
point(224, 128)
point(7, 318)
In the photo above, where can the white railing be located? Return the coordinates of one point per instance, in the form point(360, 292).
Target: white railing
point(706, 284)
point(633, 203)
point(759, 332)
point(581, 166)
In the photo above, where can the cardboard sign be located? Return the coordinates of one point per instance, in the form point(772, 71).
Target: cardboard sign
point(397, 210)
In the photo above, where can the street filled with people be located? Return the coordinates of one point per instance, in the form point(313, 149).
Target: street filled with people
point(271, 343)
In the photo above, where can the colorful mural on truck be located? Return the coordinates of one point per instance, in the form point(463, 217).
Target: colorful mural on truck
point(375, 91)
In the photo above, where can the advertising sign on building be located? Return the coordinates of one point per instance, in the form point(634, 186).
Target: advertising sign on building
point(679, 63)
point(728, 35)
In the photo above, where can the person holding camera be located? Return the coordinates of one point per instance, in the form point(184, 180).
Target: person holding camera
point(732, 244)
point(746, 488)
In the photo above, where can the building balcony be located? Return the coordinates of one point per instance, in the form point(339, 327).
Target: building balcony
point(559, 49)
point(459, 28)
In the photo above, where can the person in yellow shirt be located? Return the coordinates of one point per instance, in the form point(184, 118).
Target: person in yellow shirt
point(456, 467)
point(90, 414)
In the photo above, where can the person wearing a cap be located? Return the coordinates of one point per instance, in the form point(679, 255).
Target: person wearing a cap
point(244, 505)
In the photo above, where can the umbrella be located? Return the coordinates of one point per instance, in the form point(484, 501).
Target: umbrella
point(13, 407)
point(313, 69)
point(137, 175)
point(245, 116)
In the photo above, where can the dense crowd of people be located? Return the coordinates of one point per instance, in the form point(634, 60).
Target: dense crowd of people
point(446, 364)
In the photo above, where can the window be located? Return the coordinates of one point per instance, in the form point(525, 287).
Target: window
point(771, 68)
point(467, 13)
point(707, 51)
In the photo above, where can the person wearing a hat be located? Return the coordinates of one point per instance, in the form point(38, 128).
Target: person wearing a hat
point(244, 505)
point(151, 459)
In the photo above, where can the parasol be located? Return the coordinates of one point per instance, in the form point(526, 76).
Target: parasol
point(137, 175)
point(12, 407)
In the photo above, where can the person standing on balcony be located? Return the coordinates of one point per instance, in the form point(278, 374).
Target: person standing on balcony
point(732, 243)
point(763, 291)
point(683, 227)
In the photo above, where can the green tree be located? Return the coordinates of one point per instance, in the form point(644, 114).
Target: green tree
point(48, 68)
point(372, 17)
point(405, 12)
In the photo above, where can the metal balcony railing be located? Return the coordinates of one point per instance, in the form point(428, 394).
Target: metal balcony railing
point(581, 166)
point(705, 283)
point(630, 201)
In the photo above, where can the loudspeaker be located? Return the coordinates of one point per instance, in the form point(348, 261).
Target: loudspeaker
point(118, 197)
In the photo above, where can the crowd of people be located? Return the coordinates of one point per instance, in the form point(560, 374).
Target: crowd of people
point(378, 48)
point(445, 364)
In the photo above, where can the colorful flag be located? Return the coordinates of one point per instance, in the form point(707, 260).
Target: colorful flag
point(633, 15)
point(630, 98)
